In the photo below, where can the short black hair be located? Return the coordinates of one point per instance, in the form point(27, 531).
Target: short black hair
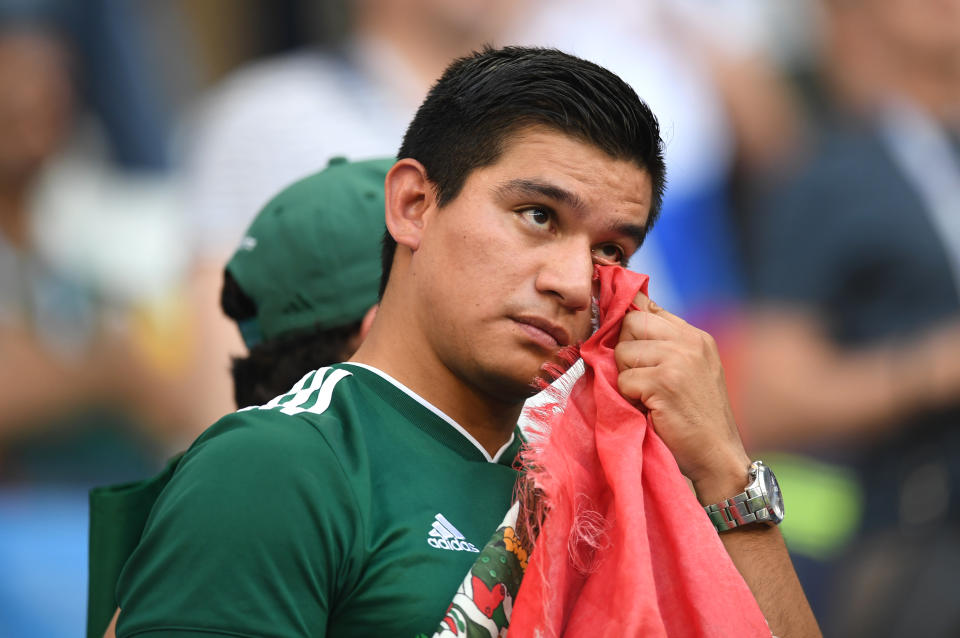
point(480, 100)
point(273, 366)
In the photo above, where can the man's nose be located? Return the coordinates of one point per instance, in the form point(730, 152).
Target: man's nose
point(568, 274)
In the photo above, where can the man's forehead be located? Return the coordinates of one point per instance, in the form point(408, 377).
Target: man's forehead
point(542, 158)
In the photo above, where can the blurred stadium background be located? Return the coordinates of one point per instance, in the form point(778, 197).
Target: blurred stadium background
point(139, 137)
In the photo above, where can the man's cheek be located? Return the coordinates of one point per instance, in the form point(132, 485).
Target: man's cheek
point(585, 325)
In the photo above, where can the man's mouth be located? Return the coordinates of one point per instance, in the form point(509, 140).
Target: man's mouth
point(544, 332)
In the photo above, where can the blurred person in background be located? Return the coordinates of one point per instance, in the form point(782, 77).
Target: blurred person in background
point(61, 354)
point(89, 252)
point(302, 286)
point(851, 353)
point(88, 243)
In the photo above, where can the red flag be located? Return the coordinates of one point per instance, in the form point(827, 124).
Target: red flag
point(625, 548)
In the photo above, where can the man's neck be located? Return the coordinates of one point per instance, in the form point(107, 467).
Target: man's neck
point(389, 347)
point(934, 87)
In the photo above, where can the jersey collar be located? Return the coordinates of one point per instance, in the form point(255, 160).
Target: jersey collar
point(444, 428)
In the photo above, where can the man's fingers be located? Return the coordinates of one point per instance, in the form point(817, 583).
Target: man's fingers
point(636, 383)
point(640, 353)
point(642, 303)
point(646, 304)
point(644, 324)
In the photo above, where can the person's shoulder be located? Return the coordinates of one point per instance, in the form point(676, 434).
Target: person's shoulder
point(262, 432)
point(292, 425)
point(264, 455)
point(260, 492)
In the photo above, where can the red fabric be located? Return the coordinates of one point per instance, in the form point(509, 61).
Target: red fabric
point(625, 549)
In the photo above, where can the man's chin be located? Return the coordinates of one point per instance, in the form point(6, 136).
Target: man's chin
point(513, 385)
point(536, 379)
point(517, 374)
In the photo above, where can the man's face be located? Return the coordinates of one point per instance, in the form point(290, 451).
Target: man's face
point(35, 102)
point(504, 271)
point(927, 30)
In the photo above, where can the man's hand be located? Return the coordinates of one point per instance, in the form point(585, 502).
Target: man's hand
point(674, 370)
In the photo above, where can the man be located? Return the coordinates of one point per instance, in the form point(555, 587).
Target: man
point(310, 515)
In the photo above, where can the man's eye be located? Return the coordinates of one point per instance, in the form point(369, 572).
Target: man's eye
point(539, 217)
point(610, 254)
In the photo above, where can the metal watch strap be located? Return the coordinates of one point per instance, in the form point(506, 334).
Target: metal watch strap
point(746, 507)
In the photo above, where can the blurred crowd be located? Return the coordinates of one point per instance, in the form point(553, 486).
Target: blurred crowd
point(811, 223)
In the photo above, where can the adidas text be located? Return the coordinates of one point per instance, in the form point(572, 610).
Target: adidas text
point(459, 546)
point(443, 535)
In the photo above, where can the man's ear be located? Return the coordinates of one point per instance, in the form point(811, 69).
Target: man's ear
point(367, 321)
point(356, 339)
point(409, 195)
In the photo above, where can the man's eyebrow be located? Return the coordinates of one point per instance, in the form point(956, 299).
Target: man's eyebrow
point(636, 232)
point(534, 188)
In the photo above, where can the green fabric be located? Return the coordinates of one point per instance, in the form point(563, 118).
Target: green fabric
point(311, 258)
point(317, 515)
point(482, 605)
point(118, 514)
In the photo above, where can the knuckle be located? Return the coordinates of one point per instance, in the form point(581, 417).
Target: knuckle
point(671, 377)
point(708, 341)
point(627, 384)
point(622, 355)
point(628, 329)
point(635, 318)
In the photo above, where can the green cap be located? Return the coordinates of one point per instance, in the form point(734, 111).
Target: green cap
point(311, 258)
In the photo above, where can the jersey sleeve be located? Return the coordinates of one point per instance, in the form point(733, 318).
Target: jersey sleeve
point(256, 535)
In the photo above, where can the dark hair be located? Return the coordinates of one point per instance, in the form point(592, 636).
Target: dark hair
point(272, 367)
point(481, 99)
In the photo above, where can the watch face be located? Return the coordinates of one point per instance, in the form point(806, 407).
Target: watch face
point(772, 489)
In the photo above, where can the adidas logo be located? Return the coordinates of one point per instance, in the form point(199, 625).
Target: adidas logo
point(443, 535)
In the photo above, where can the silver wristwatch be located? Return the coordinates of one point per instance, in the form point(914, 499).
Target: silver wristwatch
point(760, 502)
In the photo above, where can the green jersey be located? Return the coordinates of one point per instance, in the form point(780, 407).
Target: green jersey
point(346, 507)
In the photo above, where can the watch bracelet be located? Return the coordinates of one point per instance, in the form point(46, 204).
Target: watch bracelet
point(744, 508)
